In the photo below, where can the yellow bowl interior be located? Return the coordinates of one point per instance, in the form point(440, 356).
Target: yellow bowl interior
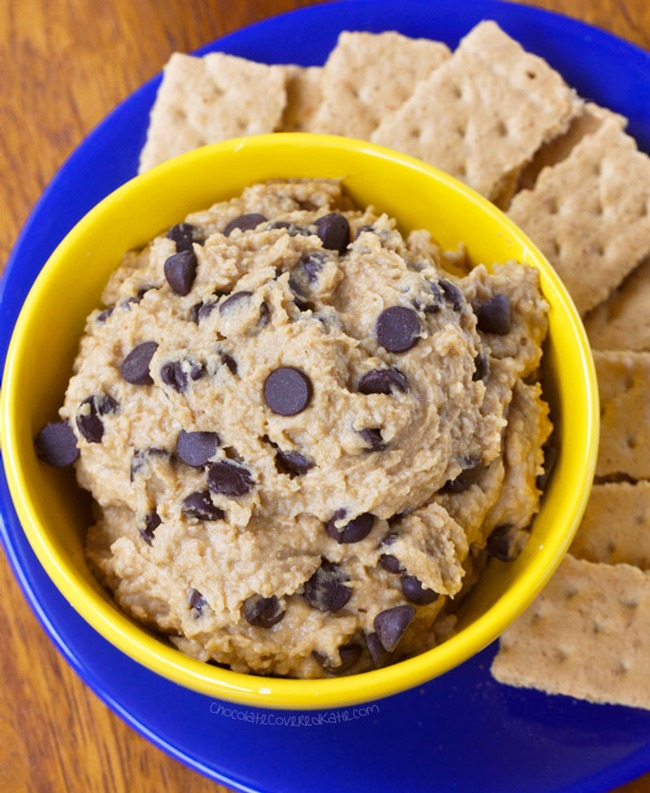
point(55, 514)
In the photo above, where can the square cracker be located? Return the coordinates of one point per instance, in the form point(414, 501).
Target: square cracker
point(590, 214)
point(483, 113)
point(368, 75)
point(622, 322)
point(615, 528)
point(624, 386)
point(587, 636)
point(585, 123)
point(210, 99)
point(304, 93)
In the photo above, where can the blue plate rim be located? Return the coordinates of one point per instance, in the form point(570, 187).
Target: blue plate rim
point(636, 763)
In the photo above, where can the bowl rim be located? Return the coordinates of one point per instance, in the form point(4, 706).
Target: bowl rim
point(262, 691)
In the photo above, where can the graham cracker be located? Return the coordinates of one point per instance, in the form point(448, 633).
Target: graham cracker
point(590, 214)
point(304, 93)
point(586, 636)
point(622, 322)
point(615, 528)
point(585, 123)
point(624, 386)
point(210, 99)
point(483, 113)
point(368, 75)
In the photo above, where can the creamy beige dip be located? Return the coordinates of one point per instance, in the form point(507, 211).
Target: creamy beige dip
point(301, 429)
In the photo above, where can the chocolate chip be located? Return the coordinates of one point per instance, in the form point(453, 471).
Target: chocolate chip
point(56, 444)
point(373, 438)
point(390, 539)
point(230, 362)
point(184, 234)
point(304, 275)
point(494, 315)
point(452, 293)
point(392, 624)
point(180, 271)
point(199, 505)
point(465, 479)
point(197, 601)
point(383, 381)
point(287, 391)
point(263, 612)
point(380, 656)
point(292, 463)
point(89, 412)
point(398, 328)
point(326, 590)
point(229, 479)
point(135, 367)
point(244, 223)
point(196, 448)
point(105, 314)
point(137, 298)
point(506, 542)
point(151, 522)
point(354, 531)
point(293, 229)
point(312, 263)
point(349, 655)
point(414, 591)
point(173, 374)
point(390, 563)
point(481, 367)
point(129, 302)
point(364, 228)
point(234, 300)
point(201, 311)
point(142, 456)
point(334, 232)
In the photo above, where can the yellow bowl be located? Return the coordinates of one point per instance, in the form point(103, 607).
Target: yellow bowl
point(55, 516)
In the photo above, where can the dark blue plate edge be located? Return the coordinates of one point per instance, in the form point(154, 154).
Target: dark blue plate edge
point(635, 764)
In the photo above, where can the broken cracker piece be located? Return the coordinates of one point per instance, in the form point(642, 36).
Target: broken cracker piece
point(622, 322)
point(210, 99)
point(585, 123)
point(368, 75)
point(624, 385)
point(483, 114)
point(586, 636)
point(590, 214)
point(615, 528)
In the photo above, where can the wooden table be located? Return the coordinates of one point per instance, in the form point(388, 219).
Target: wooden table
point(65, 65)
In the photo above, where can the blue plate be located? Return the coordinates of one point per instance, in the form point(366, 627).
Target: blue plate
point(462, 732)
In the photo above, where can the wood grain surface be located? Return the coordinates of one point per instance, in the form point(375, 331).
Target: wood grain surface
point(65, 64)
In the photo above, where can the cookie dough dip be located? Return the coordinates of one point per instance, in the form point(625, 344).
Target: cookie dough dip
point(303, 432)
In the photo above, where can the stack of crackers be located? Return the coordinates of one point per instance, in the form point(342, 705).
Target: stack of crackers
point(504, 122)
